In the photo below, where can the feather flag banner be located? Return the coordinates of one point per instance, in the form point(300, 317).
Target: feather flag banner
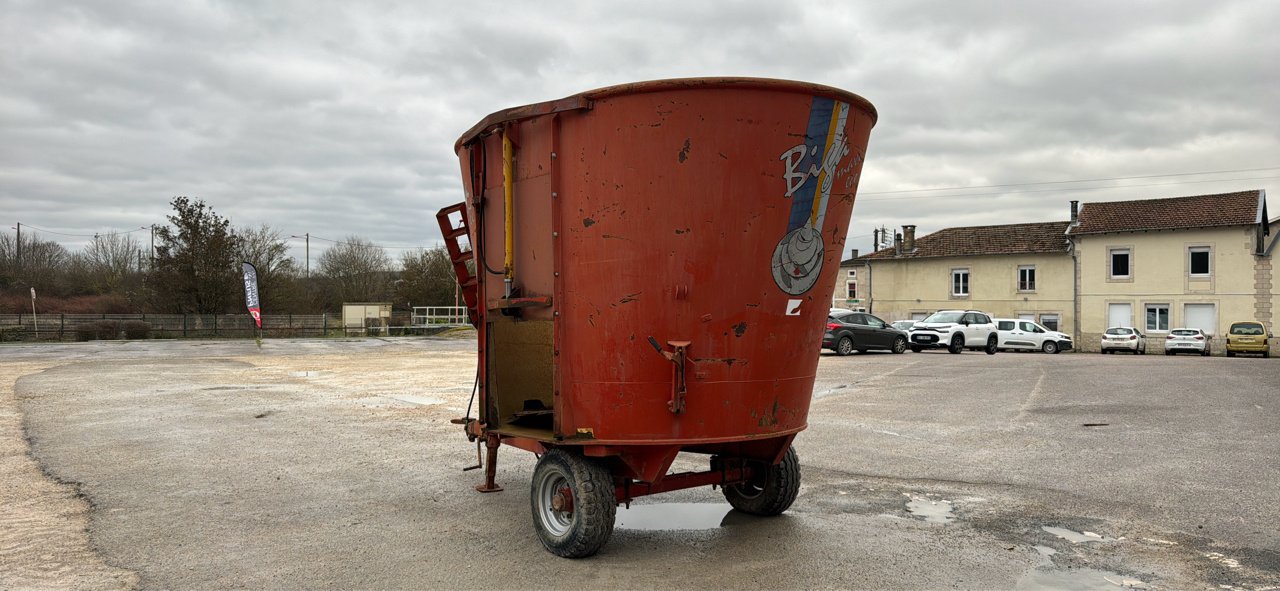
point(251, 293)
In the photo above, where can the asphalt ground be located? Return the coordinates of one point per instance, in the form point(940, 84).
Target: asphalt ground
point(332, 464)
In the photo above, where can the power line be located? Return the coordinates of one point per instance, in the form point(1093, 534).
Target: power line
point(1118, 178)
point(344, 242)
point(87, 235)
point(1063, 190)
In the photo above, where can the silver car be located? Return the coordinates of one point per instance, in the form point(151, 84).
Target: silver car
point(1187, 340)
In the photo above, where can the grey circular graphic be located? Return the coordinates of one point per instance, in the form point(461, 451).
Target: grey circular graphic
point(797, 261)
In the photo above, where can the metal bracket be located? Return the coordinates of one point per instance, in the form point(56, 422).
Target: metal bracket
point(676, 356)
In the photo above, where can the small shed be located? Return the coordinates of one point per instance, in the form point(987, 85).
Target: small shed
point(366, 317)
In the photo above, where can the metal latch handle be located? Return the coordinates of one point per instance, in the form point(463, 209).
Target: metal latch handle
point(676, 356)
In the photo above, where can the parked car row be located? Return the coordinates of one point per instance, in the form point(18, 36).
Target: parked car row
point(958, 330)
point(1242, 337)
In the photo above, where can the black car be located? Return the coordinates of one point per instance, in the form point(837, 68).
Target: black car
point(858, 331)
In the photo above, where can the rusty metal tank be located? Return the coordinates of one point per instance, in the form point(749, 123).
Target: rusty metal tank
point(650, 267)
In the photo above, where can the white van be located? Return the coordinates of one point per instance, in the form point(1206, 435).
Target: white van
point(1026, 335)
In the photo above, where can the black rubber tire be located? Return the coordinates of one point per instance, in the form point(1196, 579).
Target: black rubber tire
point(900, 345)
point(916, 348)
point(1266, 354)
point(1049, 347)
point(1167, 352)
point(1143, 350)
point(844, 346)
point(1231, 353)
point(590, 523)
point(1205, 352)
point(770, 494)
point(992, 345)
point(957, 345)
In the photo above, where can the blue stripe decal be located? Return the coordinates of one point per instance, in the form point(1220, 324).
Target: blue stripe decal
point(815, 143)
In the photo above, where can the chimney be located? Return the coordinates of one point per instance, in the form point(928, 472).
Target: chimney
point(897, 244)
point(853, 254)
point(1075, 211)
point(909, 238)
point(875, 240)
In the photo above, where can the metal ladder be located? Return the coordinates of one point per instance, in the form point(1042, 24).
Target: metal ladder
point(459, 257)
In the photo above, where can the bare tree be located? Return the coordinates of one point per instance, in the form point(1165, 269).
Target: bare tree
point(356, 271)
point(427, 278)
point(41, 264)
point(110, 261)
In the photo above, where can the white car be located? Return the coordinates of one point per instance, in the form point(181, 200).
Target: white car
point(955, 331)
point(1187, 340)
point(1025, 335)
point(1124, 338)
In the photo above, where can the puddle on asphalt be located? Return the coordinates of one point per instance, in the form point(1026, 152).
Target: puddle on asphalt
point(932, 511)
point(421, 400)
point(673, 516)
point(304, 374)
point(1079, 579)
point(1075, 537)
point(1046, 555)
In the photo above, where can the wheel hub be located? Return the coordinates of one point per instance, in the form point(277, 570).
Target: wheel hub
point(562, 501)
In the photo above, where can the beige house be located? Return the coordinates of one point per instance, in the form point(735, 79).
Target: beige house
point(1009, 271)
point(852, 291)
point(1155, 264)
point(1202, 261)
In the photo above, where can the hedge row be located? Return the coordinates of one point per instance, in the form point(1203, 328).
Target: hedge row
point(107, 330)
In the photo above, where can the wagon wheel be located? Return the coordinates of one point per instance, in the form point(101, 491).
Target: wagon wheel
point(771, 491)
point(573, 504)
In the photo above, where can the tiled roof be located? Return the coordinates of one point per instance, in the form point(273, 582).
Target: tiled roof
point(1197, 211)
point(1040, 237)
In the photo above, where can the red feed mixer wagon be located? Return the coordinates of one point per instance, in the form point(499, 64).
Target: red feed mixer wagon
point(650, 267)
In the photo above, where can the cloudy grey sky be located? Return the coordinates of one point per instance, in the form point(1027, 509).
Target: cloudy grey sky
point(338, 118)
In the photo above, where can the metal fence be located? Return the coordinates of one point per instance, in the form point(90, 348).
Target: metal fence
point(68, 327)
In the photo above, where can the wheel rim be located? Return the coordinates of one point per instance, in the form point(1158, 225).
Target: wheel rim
point(752, 488)
point(899, 345)
point(845, 346)
point(1050, 348)
point(552, 484)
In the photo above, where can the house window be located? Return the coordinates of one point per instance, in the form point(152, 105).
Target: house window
point(1199, 263)
point(852, 290)
point(1027, 278)
point(1050, 321)
point(960, 282)
point(853, 273)
point(1157, 317)
point(1121, 265)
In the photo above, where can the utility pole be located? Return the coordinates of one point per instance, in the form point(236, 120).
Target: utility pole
point(18, 262)
point(153, 246)
point(308, 235)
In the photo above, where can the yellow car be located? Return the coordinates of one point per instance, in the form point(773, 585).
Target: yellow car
point(1248, 337)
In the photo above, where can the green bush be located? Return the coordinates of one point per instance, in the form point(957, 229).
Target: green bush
point(10, 334)
point(86, 332)
point(108, 330)
point(136, 329)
